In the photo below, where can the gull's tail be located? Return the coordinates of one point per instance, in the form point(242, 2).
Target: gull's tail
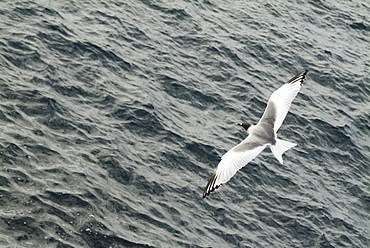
point(280, 147)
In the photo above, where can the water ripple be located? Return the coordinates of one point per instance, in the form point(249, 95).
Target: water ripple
point(114, 114)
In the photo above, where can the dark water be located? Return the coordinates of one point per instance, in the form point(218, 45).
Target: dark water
point(114, 115)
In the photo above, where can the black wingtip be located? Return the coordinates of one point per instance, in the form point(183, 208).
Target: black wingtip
point(210, 187)
point(205, 194)
point(301, 76)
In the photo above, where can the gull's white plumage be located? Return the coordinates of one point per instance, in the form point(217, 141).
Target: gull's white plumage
point(259, 136)
point(283, 98)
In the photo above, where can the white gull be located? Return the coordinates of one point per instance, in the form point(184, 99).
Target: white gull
point(259, 136)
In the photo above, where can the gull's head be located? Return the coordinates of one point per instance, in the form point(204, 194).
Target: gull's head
point(245, 125)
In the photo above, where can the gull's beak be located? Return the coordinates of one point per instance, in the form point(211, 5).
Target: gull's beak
point(239, 124)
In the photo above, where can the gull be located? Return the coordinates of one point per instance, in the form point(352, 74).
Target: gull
point(260, 136)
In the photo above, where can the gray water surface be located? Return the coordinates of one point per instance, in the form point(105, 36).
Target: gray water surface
point(113, 115)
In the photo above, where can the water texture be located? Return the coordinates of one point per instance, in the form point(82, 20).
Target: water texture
point(113, 115)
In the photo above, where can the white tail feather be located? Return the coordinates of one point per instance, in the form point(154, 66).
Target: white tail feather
point(280, 147)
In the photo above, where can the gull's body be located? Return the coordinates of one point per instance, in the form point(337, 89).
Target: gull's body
point(260, 136)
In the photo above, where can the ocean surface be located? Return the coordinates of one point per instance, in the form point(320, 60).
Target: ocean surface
point(114, 114)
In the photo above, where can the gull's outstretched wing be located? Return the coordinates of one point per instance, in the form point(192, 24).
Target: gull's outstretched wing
point(232, 161)
point(280, 101)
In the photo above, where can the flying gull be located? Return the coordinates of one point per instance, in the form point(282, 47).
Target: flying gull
point(259, 136)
